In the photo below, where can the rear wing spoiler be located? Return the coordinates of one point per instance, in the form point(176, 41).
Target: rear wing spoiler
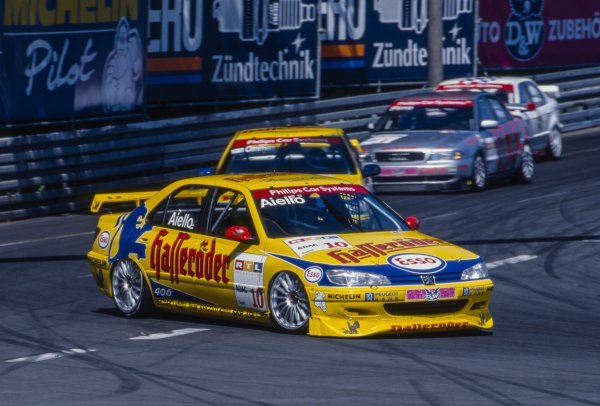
point(102, 200)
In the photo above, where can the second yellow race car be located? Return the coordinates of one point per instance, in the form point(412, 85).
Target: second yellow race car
point(306, 253)
point(307, 149)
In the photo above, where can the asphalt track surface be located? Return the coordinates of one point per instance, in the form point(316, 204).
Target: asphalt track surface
point(61, 342)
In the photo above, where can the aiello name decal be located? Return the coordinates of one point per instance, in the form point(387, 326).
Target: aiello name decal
point(202, 263)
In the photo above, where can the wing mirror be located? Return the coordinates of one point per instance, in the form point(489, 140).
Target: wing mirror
point(370, 170)
point(239, 233)
point(487, 124)
point(413, 222)
point(531, 106)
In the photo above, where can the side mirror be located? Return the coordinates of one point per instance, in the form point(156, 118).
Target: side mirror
point(238, 233)
point(371, 126)
point(531, 106)
point(370, 170)
point(413, 222)
point(487, 124)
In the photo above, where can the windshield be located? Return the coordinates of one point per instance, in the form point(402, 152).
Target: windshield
point(310, 210)
point(405, 116)
point(325, 155)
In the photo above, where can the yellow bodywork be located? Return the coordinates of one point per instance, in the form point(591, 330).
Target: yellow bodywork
point(221, 277)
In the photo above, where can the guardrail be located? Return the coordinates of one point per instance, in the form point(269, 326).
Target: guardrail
point(58, 172)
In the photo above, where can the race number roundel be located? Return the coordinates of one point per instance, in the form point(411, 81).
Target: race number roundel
point(313, 274)
point(419, 264)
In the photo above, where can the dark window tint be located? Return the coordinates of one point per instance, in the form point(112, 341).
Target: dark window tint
point(229, 209)
point(485, 110)
point(524, 94)
point(414, 118)
point(182, 209)
point(536, 95)
point(501, 114)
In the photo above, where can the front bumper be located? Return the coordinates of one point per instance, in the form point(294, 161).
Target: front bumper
point(423, 176)
point(365, 311)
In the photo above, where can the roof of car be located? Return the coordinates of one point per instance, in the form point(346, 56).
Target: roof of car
point(257, 181)
point(446, 96)
point(289, 132)
point(509, 80)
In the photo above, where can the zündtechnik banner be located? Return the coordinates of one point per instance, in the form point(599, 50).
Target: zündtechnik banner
point(204, 50)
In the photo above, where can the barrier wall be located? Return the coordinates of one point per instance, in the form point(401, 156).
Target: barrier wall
point(59, 172)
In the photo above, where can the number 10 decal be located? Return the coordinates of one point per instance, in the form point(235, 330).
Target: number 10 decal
point(258, 298)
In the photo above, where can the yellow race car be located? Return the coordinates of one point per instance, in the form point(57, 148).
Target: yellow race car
point(309, 149)
point(304, 252)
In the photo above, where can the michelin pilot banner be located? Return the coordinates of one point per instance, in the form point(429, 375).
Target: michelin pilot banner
point(539, 33)
point(369, 41)
point(63, 59)
point(205, 50)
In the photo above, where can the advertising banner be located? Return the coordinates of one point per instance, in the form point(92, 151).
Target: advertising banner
point(66, 59)
point(539, 33)
point(386, 40)
point(205, 50)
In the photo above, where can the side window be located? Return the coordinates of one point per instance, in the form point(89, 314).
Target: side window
point(537, 96)
point(229, 209)
point(485, 110)
point(501, 113)
point(524, 94)
point(182, 210)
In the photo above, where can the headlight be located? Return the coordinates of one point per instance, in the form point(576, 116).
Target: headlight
point(478, 271)
point(343, 277)
point(445, 156)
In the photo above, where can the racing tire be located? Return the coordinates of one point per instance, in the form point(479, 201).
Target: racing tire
point(289, 306)
point(479, 174)
point(526, 166)
point(129, 289)
point(554, 148)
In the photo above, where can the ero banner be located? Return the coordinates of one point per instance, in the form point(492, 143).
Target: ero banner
point(539, 33)
point(204, 50)
point(370, 41)
point(71, 58)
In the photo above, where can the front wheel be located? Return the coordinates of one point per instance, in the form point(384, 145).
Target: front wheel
point(526, 165)
point(554, 148)
point(478, 174)
point(288, 303)
point(130, 293)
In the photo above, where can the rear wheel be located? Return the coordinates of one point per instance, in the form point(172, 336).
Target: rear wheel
point(478, 174)
point(526, 165)
point(130, 293)
point(288, 303)
point(554, 148)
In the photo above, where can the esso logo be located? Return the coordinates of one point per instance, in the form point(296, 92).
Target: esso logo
point(313, 274)
point(419, 264)
point(104, 239)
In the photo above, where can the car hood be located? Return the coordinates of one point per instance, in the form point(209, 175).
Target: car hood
point(416, 139)
point(401, 256)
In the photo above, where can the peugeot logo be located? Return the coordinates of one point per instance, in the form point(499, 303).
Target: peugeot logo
point(428, 279)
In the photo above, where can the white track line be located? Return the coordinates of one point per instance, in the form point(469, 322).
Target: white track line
point(50, 355)
point(511, 261)
point(173, 333)
point(57, 237)
point(540, 197)
point(439, 216)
